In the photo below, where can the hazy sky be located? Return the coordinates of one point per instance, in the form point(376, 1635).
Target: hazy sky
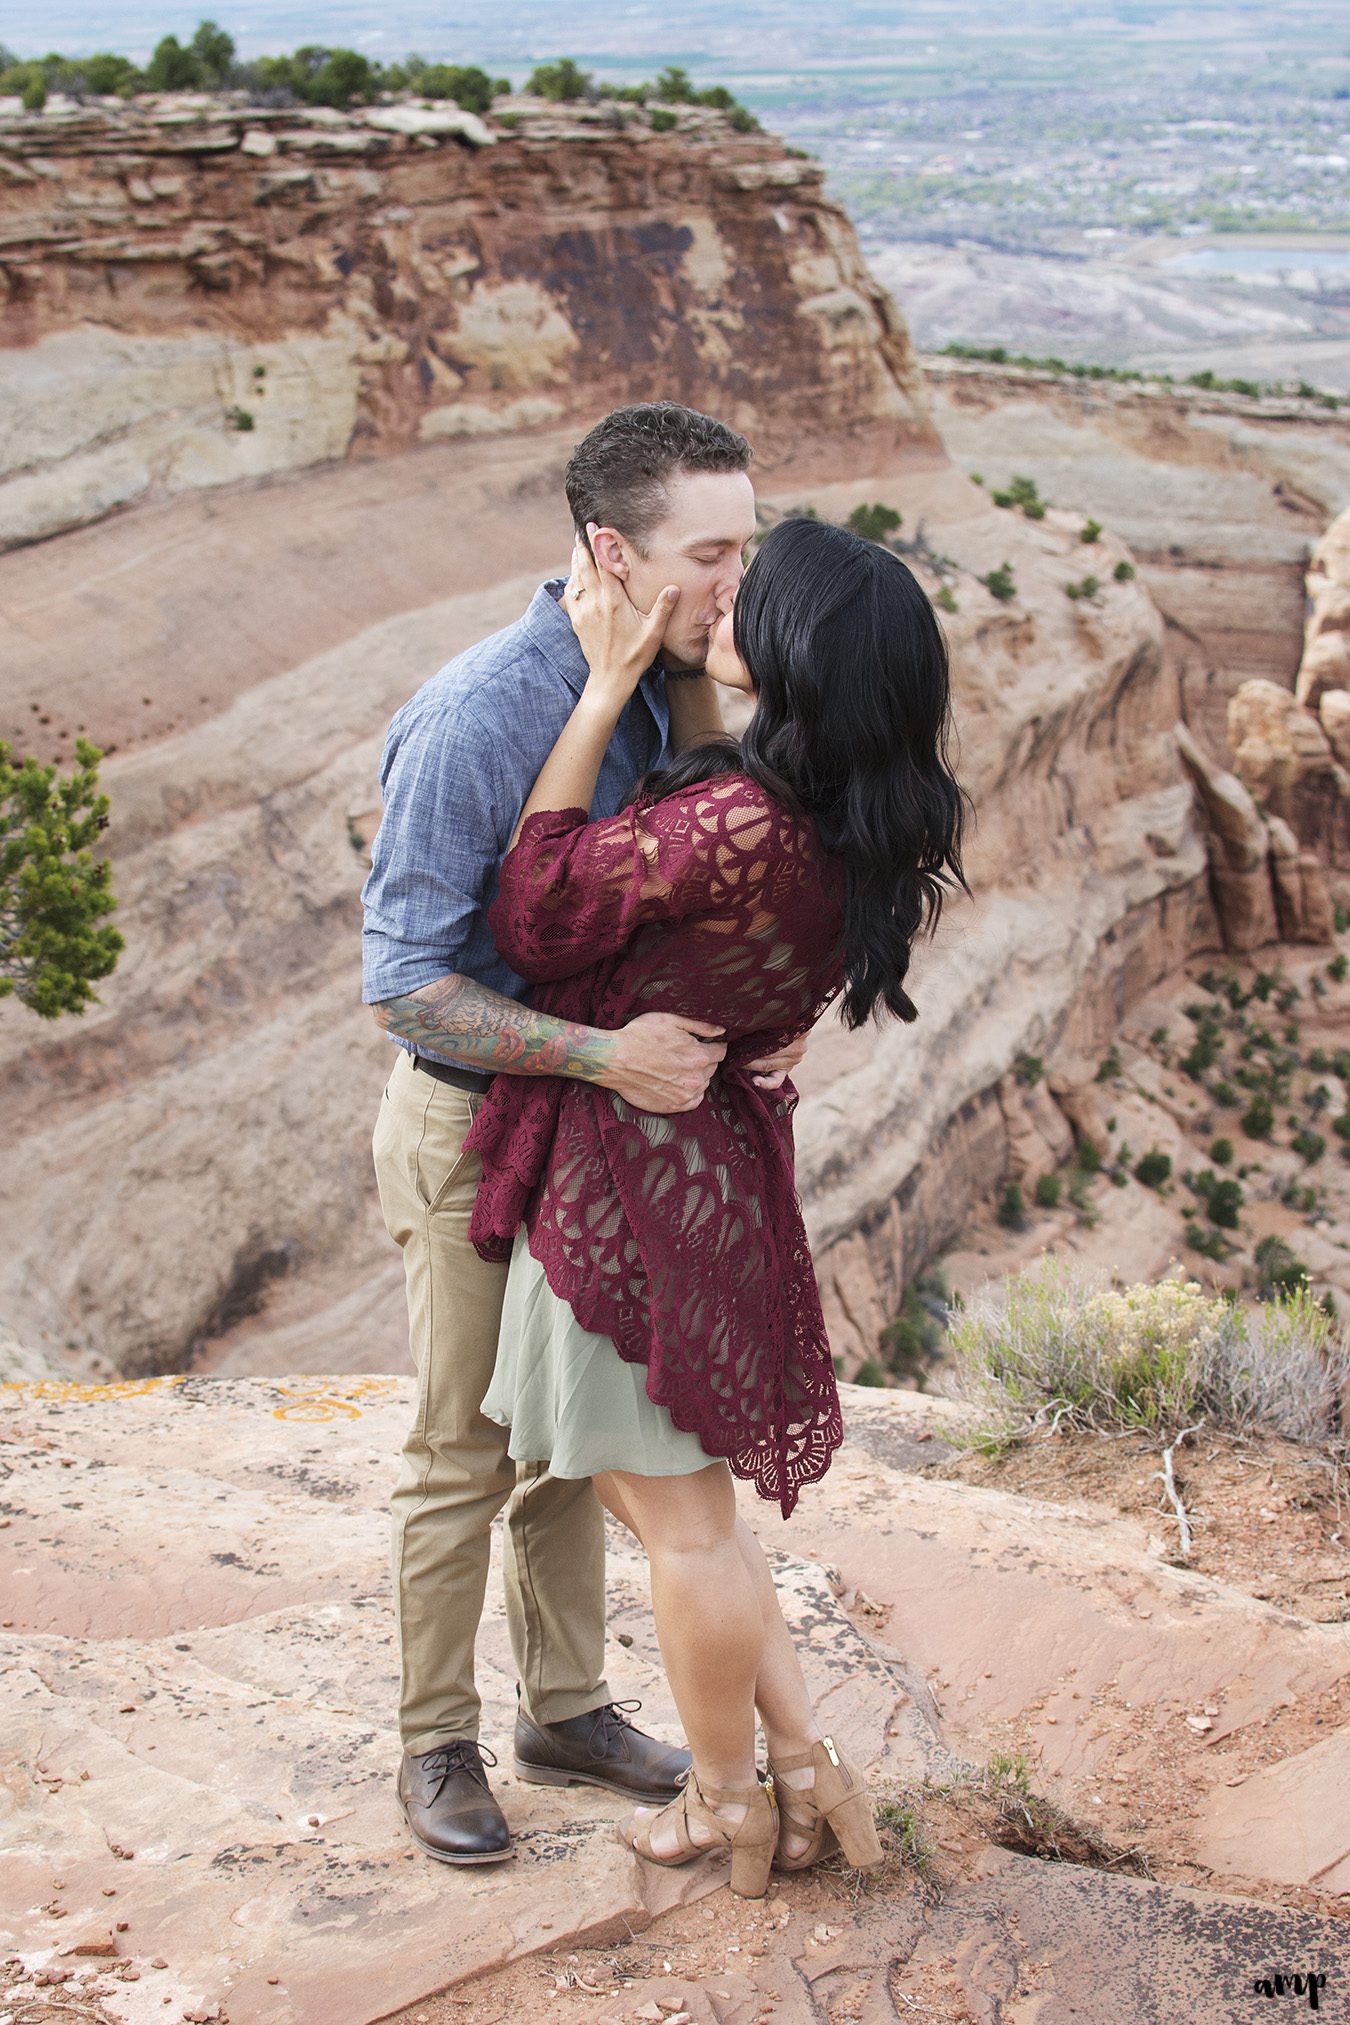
point(707, 31)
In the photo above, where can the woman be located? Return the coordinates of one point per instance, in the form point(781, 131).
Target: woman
point(662, 1329)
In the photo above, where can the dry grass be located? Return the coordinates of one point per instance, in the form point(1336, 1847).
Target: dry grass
point(1054, 1347)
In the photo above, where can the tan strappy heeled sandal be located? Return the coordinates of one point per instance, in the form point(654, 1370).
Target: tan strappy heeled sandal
point(834, 1811)
point(752, 1841)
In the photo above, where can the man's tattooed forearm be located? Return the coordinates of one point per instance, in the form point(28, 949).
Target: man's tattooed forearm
point(455, 1016)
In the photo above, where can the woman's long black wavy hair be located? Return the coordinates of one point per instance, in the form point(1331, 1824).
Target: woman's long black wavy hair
point(852, 720)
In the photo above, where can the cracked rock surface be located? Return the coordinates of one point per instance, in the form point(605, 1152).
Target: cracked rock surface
point(196, 1775)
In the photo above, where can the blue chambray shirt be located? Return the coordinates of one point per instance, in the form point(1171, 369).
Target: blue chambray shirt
point(460, 759)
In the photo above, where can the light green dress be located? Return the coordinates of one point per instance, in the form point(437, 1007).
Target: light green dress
point(568, 1397)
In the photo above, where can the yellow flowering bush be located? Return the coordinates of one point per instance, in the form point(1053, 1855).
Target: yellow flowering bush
point(1053, 1347)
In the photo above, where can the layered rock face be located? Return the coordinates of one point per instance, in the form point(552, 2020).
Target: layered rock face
point(1219, 496)
point(212, 1117)
point(192, 1177)
point(201, 292)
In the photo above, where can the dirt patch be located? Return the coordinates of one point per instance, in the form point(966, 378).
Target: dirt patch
point(1269, 1516)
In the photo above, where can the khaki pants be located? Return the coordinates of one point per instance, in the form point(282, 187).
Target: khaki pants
point(456, 1474)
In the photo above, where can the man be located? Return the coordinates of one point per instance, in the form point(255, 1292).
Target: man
point(668, 493)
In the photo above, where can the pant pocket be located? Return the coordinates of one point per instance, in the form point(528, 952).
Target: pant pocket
point(444, 1164)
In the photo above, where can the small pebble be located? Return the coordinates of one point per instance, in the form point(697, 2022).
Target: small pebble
point(122, 1926)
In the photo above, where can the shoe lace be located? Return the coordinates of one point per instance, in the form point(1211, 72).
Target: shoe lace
point(612, 1716)
point(463, 1755)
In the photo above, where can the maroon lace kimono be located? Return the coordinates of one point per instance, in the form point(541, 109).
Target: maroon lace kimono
point(680, 1236)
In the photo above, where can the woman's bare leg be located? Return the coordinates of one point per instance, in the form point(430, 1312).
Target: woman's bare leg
point(781, 1693)
point(709, 1617)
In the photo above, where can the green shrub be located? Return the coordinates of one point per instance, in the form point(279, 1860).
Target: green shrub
point(561, 82)
point(1204, 1051)
point(468, 86)
point(662, 119)
point(343, 76)
point(1207, 1242)
point(874, 523)
point(1258, 1119)
point(1109, 1065)
point(1221, 1152)
point(946, 599)
point(1223, 1201)
point(1090, 530)
point(1279, 1271)
point(1087, 587)
point(53, 892)
point(1012, 1208)
point(34, 94)
point(870, 1372)
point(913, 1339)
point(1308, 1144)
point(1337, 968)
point(1000, 584)
point(1028, 1069)
point(1047, 1191)
point(1123, 572)
point(674, 86)
point(1080, 1195)
point(1021, 491)
point(1224, 1095)
point(1087, 1154)
point(742, 120)
point(213, 52)
point(172, 68)
point(1153, 1168)
point(238, 418)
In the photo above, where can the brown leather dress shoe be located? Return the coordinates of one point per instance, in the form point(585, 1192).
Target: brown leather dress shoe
point(448, 1806)
point(601, 1748)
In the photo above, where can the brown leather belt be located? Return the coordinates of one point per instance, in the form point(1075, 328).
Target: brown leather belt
point(445, 1072)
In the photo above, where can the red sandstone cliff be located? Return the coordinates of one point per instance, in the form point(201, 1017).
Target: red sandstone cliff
point(193, 292)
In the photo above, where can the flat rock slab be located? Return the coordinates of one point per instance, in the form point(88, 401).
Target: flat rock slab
point(1072, 1625)
point(198, 1721)
point(1016, 1941)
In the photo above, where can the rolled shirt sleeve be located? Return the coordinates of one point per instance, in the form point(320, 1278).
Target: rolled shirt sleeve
point(448, 813)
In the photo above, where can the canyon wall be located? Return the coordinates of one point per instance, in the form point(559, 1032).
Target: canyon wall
point(190, 1177)
point(1220, 497)
point(193, 291)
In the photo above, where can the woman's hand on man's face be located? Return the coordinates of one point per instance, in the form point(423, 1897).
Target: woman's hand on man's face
point(619, 642)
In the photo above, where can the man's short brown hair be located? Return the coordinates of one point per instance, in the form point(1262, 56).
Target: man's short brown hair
point(617, 475)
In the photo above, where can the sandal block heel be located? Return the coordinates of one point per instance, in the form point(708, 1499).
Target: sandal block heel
point(833, 1811)
point(855, 1830)
point(752, 1861)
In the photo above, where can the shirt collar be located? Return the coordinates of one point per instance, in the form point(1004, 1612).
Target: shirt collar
point(551, 630)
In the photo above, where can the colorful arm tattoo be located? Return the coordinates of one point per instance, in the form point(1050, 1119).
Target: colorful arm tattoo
point(456, 1016)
